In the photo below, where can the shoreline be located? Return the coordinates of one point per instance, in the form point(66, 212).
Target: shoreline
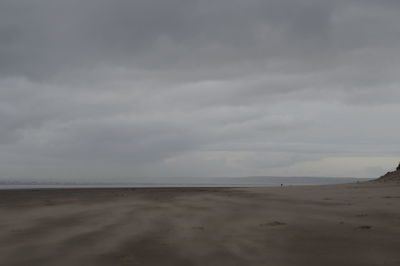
point(45, 187)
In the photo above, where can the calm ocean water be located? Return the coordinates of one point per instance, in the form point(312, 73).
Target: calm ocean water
point(4, 187)
point(228, 182)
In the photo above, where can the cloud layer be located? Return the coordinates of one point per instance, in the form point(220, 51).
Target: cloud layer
point(130, 89)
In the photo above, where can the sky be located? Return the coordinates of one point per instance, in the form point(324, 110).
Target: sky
point(124, 90)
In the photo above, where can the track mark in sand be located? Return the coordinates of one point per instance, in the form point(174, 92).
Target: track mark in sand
point(274, 223)
point(199, 228)
point(364, 227)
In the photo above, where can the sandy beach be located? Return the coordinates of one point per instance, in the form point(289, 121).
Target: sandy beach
point(354, 224)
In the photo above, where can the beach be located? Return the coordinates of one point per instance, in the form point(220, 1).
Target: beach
point(350, 224)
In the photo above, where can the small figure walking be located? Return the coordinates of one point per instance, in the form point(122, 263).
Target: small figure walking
point(398, 167)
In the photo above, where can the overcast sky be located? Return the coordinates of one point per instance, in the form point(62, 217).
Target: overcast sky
point(124, 89)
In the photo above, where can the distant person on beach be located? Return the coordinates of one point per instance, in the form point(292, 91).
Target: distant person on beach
point(398, 167)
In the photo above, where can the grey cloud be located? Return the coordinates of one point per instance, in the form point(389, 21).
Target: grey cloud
point(42, 38)
point(152, 87)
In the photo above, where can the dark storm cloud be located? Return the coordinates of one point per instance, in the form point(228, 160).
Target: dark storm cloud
point(139, 83)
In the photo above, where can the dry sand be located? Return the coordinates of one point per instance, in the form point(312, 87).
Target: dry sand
point(357, 224)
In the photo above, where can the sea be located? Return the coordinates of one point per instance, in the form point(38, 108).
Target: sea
point(256, 181)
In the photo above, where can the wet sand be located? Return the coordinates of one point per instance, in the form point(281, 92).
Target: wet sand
point(356, 224)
